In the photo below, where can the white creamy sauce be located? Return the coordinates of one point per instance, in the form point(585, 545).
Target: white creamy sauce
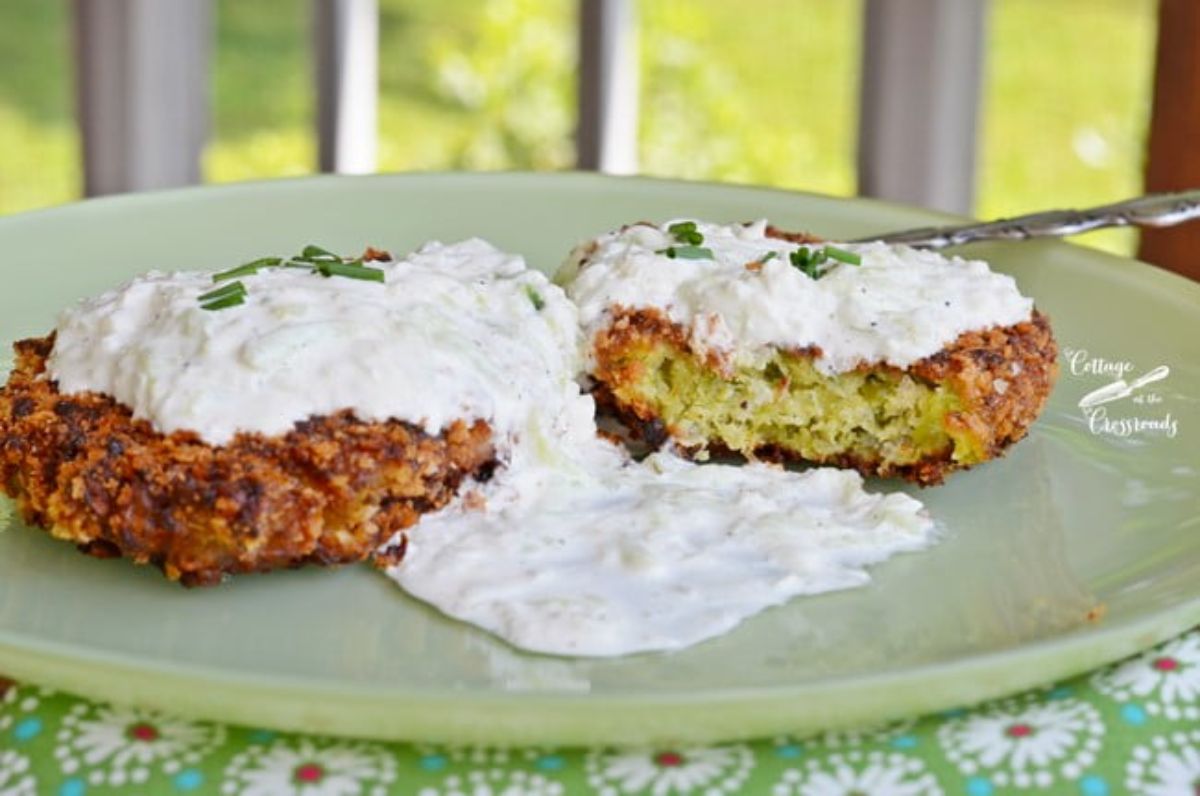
point(572, 547)
point(899, 306)
point(625, 557)
point(452, 333)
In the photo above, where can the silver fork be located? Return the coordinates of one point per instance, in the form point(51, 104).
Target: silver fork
point(1152, 210)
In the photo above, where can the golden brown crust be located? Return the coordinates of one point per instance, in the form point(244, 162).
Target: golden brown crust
point(1002, 376)
point(330, 491)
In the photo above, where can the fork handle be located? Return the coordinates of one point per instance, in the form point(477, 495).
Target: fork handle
point(1152, 210)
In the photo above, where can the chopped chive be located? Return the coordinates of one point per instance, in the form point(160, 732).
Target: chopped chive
point(768, 257)
point(232, 300)
point(352, 270)
point(686, 232)
point(311, 258)
point(841, 255)
point(535, 297)
point(687, 252)
point(248, 269)
point(807, 261)
point(232, 289)
point(311, 252)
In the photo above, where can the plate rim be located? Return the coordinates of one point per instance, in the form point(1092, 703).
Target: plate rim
point(436, 716)
point(1166, 282)
point(1178, 619)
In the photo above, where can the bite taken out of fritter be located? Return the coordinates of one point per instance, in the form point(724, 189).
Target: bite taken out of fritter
point(747, 340)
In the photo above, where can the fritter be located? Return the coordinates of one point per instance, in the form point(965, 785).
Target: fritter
point(951, 410)
point(330, 491)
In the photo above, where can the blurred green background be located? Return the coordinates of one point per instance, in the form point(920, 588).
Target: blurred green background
point(761, 91)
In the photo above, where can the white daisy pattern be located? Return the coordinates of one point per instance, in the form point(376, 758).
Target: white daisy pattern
point(1025, 741)
point(117, 746)
point(491, 771)
point(16, 779)
point(1166, 680)
point(713, 770)
point(496, 782)
point(1167, 766)
point(18, 701)
point(846, 738)
point(311, 767)
point(859, 773)
point(479, 755)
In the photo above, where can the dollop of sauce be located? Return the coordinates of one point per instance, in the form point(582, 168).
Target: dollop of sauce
point(451, 333)
point(572, 547)
point(898, 306)
point(622, 557)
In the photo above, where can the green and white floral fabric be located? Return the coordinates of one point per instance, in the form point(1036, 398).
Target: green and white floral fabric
point(1129, 728)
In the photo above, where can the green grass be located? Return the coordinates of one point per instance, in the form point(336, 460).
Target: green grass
point(763, 91)
point(262, 92)
point(39, 146)
point(1067, 107)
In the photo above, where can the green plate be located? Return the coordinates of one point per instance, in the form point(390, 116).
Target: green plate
point(1079, 547)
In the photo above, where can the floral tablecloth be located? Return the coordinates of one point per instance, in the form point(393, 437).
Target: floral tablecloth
point(1129, 728)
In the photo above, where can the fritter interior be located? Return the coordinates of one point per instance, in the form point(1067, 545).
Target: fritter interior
point(960, 407)
point(328, 492)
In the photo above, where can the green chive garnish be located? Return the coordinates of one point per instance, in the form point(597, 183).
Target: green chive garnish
point(686, 232)
point(687, 252)
point(809, 261)
point(248, 269)
point(311, 252)
point(311, 258)
point(352, 270)
point(232, 300)
point(841, 255)
point(225, 291)
point(769, 256)
point(535, 297)
point(802, 260)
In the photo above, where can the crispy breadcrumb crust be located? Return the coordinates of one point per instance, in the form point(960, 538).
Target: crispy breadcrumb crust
point(328, 492)
point(1022, 357)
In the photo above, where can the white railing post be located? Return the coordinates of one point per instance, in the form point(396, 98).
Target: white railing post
point(347, 62)
point(606, 139)
point(141, 91)
point(922, 69)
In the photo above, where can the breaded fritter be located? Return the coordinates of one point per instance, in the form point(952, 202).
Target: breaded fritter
point(959, 407)
point(328, 492)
